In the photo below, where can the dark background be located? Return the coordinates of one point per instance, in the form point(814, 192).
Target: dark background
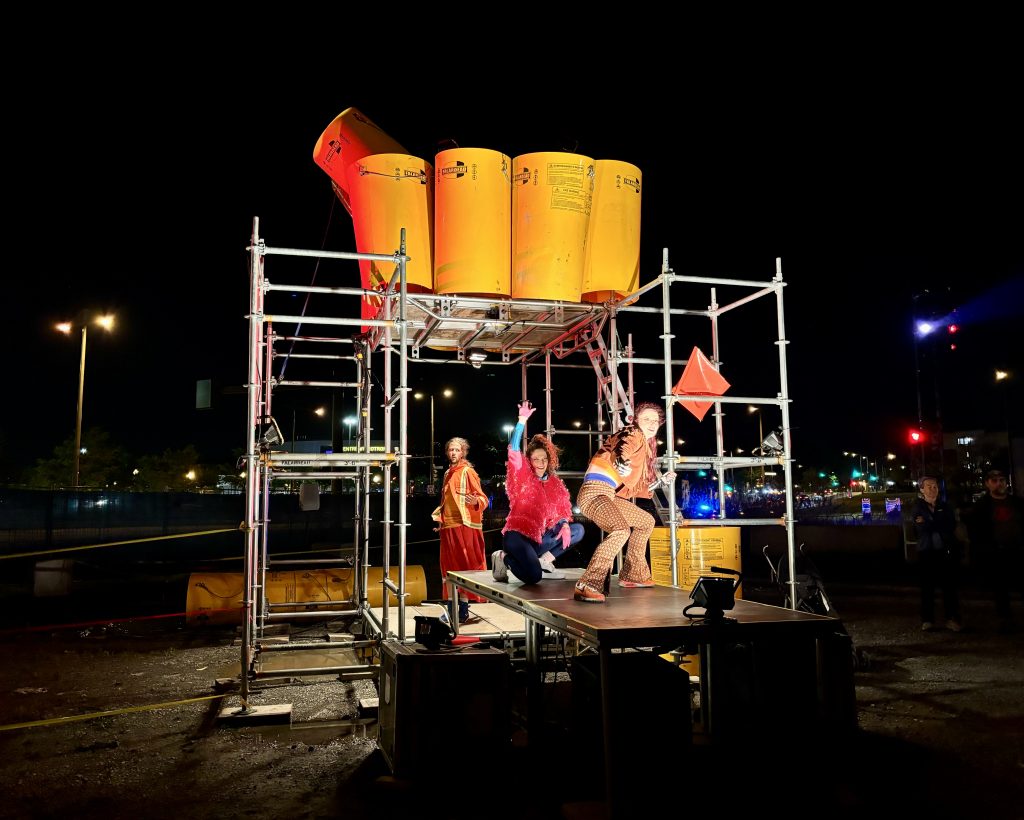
point(145, 166)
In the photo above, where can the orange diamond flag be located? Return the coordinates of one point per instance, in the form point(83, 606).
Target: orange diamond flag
point(699, 378)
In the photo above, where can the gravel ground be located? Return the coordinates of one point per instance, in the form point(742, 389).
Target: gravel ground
point(940, 717)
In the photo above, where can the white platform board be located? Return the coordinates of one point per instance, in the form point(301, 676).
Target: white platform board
point(485, 619)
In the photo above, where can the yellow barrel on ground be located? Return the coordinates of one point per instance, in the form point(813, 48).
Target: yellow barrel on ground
point(473, 222)
point(551, 196)
point(216, 597)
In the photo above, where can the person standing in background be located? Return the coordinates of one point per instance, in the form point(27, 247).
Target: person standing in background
point(460, 521)
point(995, 526)
point(539, 525)
point(938, 555)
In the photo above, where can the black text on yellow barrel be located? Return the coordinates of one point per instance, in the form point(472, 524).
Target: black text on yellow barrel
point(472, 222)
point(551, 194)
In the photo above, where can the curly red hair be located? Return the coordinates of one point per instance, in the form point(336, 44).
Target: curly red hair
point(648, 405)
point(542, 442)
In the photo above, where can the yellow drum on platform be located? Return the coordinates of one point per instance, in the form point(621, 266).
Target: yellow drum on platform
point(390, 192)
point(350, 137)
point(551, 194)
point(473, 222)
point(216, 597)
point(611, 264)
point(698, 549)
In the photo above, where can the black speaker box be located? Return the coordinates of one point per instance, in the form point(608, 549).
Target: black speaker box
point(442, 713)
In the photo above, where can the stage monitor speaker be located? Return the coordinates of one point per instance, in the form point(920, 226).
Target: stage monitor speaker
point(309, 496)
point(650, 710)
point(443, 713)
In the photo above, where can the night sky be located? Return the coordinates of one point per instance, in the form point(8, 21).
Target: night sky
point(870, 191)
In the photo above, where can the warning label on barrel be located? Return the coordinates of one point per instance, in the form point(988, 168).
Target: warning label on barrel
point(569, 199)
point(565, 174)
point(698, 550)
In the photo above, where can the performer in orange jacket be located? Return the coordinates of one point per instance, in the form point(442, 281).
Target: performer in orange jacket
point(460, 519)
point(625, 461)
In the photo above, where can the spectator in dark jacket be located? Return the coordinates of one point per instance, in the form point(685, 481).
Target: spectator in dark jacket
point(938, 555)
point(996, 528)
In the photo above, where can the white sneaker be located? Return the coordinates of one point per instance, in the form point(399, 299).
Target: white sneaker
point(498, 568)
point(551, 573)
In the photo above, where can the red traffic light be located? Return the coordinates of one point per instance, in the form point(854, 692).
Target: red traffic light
point(915, 436)
point(953, 328)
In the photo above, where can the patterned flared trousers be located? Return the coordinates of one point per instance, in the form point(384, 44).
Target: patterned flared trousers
point(624, 522)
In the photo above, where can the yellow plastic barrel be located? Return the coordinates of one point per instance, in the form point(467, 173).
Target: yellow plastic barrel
point(473, 222)
point(390, 192)
point(611, 264)
point(350, 137)
point(551, 193)
point(699, 548)
point(216, 597)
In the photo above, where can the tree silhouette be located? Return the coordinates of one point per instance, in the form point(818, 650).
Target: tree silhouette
point(102, 464)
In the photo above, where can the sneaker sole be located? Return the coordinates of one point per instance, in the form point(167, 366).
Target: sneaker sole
point(498, 569)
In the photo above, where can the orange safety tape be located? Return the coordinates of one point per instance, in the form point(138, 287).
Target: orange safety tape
point(71, 718)
point(105, 621)
point(114, 543)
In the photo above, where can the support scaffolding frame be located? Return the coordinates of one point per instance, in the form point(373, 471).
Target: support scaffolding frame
point(428, 328)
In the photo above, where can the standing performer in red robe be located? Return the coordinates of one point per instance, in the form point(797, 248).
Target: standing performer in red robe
point(460, 519)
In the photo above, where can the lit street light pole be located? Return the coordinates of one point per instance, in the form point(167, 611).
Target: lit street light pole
point(107, 323)
point(349, 421)
point(447, 393)
point(78, 414)
point(1003, 378)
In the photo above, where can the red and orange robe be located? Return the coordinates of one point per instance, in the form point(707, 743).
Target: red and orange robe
point(462, 532)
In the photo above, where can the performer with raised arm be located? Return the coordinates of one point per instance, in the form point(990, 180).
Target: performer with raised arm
point(539, 526)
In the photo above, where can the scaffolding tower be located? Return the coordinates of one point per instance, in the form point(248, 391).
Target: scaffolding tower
point(411, 328)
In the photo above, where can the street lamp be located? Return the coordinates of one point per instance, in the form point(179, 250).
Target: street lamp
point(447, 393)
point(1003, 378)
point(349, 421)
point(107, 323)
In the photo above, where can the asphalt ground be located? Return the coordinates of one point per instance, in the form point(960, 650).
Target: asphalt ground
point(939, 726)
